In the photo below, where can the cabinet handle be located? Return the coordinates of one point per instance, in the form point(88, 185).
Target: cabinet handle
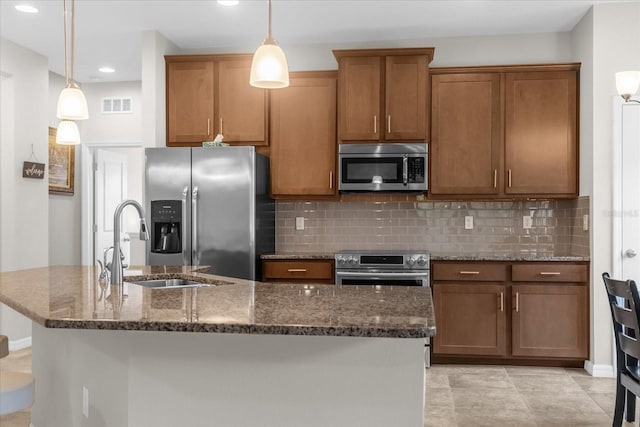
point(509, 178)
point(375, 124)
point(517, 302)
point(495, 178)
point(469, 272)
point(389, 123)
point(297, 270)
point(331, 180)
point(549, 273)
point(208, 127)
point(501, 301)
point(221, 133)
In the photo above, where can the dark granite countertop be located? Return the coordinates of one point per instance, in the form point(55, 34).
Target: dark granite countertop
point(72, 297)
point(507, 257)
point(435, 256)
point(298, 255)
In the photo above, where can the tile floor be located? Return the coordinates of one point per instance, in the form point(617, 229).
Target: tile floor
point(475, 396)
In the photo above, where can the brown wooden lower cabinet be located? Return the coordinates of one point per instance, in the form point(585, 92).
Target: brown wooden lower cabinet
point(550, 321)
point(537, 312)
point(470, 319)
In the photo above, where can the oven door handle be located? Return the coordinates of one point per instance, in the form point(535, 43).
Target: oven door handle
point(380, 274)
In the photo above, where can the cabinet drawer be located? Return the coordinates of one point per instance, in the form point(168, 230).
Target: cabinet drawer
point(549, 272)
point(298, 270)
point(482, 272)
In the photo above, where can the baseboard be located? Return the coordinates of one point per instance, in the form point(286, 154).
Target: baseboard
point(19, 344)
point(605, 371)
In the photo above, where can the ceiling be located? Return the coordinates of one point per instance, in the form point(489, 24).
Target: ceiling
point(109, 32)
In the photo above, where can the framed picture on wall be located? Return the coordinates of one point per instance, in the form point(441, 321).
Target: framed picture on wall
point(61, 166)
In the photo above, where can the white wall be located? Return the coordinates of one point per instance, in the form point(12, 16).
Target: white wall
point(103, 127)
point(24, 207)
point(449, 51)
point(154, 47)
point(616, 47)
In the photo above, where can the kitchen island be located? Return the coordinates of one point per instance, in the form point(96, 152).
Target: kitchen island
point(240, 353)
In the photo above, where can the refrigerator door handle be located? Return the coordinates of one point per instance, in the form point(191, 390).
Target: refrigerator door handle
point(185, 254)
point(194, 227)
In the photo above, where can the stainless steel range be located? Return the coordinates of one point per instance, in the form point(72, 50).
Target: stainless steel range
point(386, 268)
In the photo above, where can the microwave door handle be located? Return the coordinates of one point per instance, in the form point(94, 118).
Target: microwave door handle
point(405, 169)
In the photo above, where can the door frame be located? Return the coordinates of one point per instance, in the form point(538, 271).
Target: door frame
point(616, 209)
point(87, 193)
point(616, 244)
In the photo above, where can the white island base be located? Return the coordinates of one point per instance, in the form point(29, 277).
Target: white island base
point(177, 379)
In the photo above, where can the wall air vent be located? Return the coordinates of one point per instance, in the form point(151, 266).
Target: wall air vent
point(117, 105)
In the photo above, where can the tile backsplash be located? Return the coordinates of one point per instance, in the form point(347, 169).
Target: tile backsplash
point(557, 226)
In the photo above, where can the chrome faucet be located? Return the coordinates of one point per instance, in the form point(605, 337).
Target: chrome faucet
point(116, 261)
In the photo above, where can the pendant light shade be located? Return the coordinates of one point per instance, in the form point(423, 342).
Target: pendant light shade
point(67, 133)
point(627, 84)
point(269, 69)
point(72, 104)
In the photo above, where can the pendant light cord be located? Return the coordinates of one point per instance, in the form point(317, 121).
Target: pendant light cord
point(73, 27)
point(69, 81)
point(269, 19)
point(66, 62)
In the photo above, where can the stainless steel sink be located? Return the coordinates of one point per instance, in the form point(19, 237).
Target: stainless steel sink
point(170, 283)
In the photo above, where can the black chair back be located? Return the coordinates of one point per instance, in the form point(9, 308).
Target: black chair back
point(625, 303)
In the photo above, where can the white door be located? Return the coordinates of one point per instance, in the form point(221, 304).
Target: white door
point(627, 251)
point(110, 188)
point(630, 156)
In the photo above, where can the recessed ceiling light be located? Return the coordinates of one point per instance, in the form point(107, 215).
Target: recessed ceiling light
point(228, 2)
point(106, 70)
point(26, 8)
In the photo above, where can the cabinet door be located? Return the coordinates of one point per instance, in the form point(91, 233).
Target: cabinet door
point(360, 91)
point(540, 139)
point(470, 319)
point(303, 137)
point(189, 102)
point(406, 98)
point(240, 107)
point(465, 130)
point(550, 321)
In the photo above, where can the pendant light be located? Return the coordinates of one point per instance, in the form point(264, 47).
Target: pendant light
point(269, 69)
point(67, 133)
point(72, 104)
point(627, 83)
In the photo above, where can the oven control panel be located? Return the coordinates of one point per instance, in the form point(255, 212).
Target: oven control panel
point(380, 259)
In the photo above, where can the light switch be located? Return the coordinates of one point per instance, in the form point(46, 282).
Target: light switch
point(527, 221)
point(299, 223)
point(468, 222)
point(585, 222)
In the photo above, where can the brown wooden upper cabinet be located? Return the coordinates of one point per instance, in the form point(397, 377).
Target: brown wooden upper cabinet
point(382, 94)
point(303, 135)
point(504, 131)
point(211, 94)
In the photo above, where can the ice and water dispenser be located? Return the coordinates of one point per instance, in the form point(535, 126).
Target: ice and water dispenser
point(166, 226)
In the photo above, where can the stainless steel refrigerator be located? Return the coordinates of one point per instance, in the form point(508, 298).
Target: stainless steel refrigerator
point(209, 206)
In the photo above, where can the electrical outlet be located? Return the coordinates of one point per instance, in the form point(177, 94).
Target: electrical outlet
point(527, 221)
point(468, 222)
point(299, 223)
point(85, 402)
point(585, 222)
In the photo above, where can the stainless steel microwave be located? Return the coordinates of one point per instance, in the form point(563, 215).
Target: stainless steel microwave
point(386, 167)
